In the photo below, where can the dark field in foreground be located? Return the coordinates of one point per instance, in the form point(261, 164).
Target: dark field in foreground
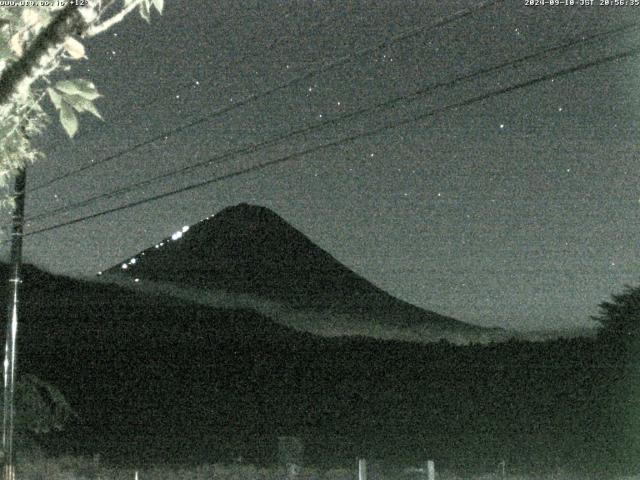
point(155, 379)
point(69, 467)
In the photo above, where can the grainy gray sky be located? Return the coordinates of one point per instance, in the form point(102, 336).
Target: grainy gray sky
point(519, 211)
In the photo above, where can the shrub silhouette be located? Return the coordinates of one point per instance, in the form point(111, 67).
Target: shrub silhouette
point(620, 317)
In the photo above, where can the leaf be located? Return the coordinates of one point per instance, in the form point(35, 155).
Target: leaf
point(31, 17)
point(91, 108)
point(81, 87)
point(16, 44)
point(68, 119)
point(81, 104)
point(145, 11)
point(159, 4)
point(5, 51)
point(55, 97)
point(74, 48)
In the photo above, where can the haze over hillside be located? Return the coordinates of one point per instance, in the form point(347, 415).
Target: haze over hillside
point(249, 257)
point(161, 377)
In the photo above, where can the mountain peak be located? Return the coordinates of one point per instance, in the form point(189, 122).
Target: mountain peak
point(246, 215)
point(247, 211)
point(249, 250)
point(243, 248)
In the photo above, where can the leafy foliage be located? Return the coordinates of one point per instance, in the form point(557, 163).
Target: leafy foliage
point(70, 96)
point(22, 115)
point(621, 316)
point(145, 7)
point(17, 28)
point(40, 407)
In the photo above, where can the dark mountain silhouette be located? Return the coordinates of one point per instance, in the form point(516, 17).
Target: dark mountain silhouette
point(250, 256)
point(157, 378)
point(138, 365)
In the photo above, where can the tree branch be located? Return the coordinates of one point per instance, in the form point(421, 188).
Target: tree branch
point(94, 30)
point(19, 73)
point(105, 8)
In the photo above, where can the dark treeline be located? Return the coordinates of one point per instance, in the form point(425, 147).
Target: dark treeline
point(155, 379)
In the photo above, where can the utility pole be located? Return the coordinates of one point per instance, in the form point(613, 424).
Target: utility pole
point(12, 325)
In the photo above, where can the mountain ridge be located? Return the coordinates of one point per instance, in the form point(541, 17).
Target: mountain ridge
point(248, 250)
point(151, 374)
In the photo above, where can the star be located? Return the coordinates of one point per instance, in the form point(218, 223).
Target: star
point(507, 163)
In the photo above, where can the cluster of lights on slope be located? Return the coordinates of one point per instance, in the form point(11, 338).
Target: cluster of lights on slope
point(175, 236)
point(132, 261)
point(179, 233)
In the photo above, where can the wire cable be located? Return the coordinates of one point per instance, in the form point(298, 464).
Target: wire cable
point(229, 155)
point(180, 89)
point(583, 66)
point(256, 96)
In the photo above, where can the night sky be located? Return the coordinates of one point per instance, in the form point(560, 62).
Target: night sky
point(519, 211)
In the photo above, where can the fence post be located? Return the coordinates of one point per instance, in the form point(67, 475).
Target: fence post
point(96, 466)
point(290, 453)
point(431, 470)
point(362, 469)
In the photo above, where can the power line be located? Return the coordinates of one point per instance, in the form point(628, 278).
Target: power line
point(256, 96)
point(229, 155)
point(152, 100)
point(423, 116)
